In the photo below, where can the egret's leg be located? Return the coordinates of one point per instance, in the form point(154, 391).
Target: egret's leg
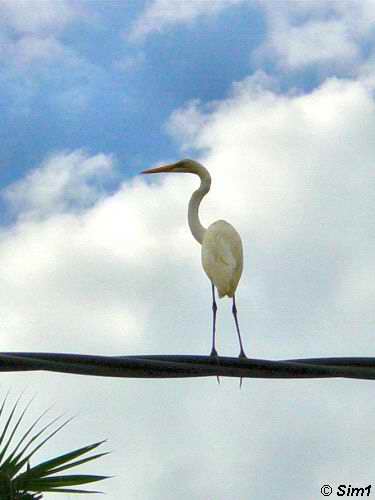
point(234, 311)
point(214, 309)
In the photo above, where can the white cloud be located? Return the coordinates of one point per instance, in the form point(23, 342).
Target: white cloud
point(64, 181)
point(329, 35)
point(313, 42)
point(162, 14)
point(30, 49)
point(40, 60)
point(30, 30)
point(296, 173)
point(75, 249)
point(37, 16)
point(333, 37)
point(121, 275)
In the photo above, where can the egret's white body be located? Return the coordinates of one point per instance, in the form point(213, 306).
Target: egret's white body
point(222, 255)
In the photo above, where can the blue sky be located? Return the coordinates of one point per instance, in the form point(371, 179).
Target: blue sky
point(276, 99)
point(118, 93)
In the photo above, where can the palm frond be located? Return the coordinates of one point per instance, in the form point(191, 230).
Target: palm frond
point(18, 479)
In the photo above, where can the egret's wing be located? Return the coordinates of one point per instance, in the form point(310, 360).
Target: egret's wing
point(222, 257)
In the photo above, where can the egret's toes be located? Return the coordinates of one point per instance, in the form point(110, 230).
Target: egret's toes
point(242, 355)
point(215, 356)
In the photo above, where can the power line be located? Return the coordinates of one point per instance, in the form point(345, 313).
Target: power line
point(182, 366)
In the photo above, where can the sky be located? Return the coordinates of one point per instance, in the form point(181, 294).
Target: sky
point(276, 99)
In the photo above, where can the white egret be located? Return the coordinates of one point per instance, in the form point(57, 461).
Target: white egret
point(222, 255)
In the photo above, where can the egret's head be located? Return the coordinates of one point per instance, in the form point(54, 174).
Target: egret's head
point(187, 166)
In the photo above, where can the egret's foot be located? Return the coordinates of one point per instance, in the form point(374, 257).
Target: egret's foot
point(242, 355)
point(215, 355)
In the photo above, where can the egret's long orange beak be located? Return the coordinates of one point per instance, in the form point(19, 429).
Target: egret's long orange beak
point(158, 170)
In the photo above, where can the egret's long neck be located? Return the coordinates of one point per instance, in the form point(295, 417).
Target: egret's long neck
point(194, 223)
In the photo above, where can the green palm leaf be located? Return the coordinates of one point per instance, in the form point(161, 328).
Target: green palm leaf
point(55, 463)
point(20, 481)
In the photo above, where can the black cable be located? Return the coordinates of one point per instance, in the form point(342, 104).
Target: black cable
point(176, 366)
